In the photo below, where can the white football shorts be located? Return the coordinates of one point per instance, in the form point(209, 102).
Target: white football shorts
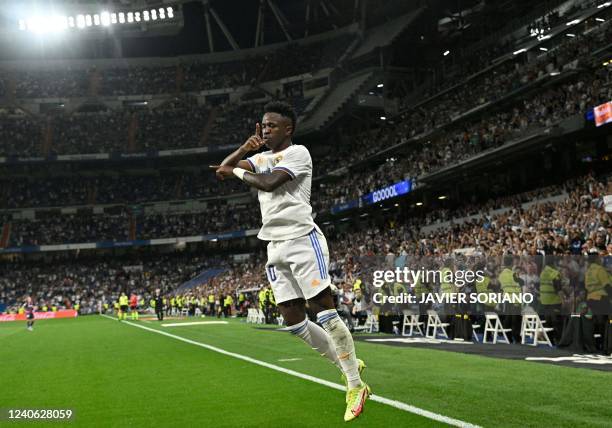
point(297, 268)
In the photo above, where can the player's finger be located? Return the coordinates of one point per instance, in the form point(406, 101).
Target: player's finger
point(214, 166)
point(258, 130)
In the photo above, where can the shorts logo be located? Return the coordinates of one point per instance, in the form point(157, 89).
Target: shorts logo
point(271, 272)
point(315, 282)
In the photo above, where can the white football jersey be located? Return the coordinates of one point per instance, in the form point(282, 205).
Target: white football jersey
point(286, 212)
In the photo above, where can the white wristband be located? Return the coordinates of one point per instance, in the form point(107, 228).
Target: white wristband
point(239, 172)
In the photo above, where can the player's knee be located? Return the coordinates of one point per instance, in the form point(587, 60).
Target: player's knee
point(323, 301)
point(293, 312)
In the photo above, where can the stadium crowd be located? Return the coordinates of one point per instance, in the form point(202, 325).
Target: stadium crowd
point(183, 124)
point(81, 228)
point(572, 224)
point(178, 124)
point(65, 229)
point(462, 142)
point(219, 220)
point(90, 283)
point(189, 75)
point(541, 110)
point(116, 189)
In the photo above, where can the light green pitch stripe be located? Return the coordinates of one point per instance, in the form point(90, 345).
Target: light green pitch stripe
point(393, 403)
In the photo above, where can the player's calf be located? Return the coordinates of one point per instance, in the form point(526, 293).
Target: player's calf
point(317, 338)
point(343, 342)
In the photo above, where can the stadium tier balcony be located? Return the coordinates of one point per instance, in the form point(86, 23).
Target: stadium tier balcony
point(464, 138)
point(184, 75)
point(123, 224)
point(40, 192)
point(463, 142)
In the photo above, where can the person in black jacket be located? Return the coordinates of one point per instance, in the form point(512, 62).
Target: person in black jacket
point(159, 305)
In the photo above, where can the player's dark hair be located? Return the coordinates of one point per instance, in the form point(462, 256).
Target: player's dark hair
point(284, 109)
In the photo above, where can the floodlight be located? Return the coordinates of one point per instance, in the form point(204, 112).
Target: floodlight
point(105, 19)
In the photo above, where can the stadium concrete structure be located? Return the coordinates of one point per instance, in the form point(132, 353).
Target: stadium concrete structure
point(445, 136)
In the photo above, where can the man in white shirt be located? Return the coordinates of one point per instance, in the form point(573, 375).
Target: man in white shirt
point(298, 257)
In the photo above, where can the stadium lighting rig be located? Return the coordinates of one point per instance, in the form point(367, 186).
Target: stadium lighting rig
point(40, 23)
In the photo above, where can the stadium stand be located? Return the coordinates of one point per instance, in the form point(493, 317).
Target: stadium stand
point(495, 101)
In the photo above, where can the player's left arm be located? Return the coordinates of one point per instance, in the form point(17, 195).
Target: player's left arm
point(267, 182)
point(264, 182)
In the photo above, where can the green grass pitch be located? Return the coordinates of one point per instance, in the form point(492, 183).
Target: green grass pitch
point(113, 374)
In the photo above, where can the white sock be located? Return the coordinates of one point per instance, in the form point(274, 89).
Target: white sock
point(317, 338)
point(343, 342)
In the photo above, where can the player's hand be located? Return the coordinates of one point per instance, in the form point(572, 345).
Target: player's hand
point(223, 171)
point(255, 141)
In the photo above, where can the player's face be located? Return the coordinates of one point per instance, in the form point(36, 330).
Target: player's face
point(276, 129)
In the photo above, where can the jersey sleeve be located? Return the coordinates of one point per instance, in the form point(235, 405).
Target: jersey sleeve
point(296, 163)
point(252, 160)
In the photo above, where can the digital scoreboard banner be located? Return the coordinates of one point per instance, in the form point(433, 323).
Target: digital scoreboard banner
point(382, 194)
point(603, 113)
point(388, 192)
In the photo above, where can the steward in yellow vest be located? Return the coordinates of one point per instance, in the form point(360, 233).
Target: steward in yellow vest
point(551, 283)
point(550, 286)
point(598, 284)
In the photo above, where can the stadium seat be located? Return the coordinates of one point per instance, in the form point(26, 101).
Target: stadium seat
point(184, 312)
point(251, 315)
point(533, 327)
point(434, 323)
point(493, 325)
point(411, 320)
point(474, 328)
point(371, 324)
point(261, 318)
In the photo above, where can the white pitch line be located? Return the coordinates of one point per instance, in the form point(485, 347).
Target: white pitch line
point(181, 324)
point(288, 360)
point(393, 403)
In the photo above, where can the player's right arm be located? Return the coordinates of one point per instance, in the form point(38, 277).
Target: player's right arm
point(253, 143)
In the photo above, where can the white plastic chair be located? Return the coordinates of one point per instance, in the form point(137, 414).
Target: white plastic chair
point(434, 323)
point(474, 328)
point(533, 327)
point(493, 325)
point(371, 324)
point(411, 320)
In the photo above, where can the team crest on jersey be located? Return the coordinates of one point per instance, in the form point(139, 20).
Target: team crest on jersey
point(277, 160)
point(260, 160)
